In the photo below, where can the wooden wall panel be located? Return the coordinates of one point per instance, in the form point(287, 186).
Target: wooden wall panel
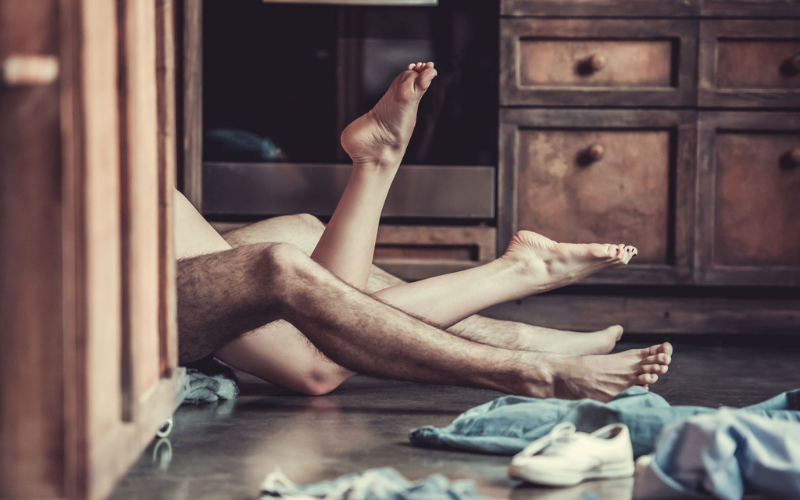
point(87, 161)
point(31, 401)
point(102, 332)
point(140, 202)
point(167, 175)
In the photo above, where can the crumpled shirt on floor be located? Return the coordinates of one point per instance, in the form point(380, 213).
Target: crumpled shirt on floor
point(508, 424)
point(721, 456)
point(202, 388)
point(373, 484)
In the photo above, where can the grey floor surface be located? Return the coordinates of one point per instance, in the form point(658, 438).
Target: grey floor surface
point(224, 451)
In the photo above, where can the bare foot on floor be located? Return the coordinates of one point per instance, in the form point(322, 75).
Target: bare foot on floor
point(603, 377)
point(380, 137)
point(541, 339)
point(548, 264)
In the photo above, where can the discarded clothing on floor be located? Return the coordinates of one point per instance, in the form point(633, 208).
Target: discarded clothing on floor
point(207, 388)
point(206, 381)
point(373, 484)
point(508, 424)
point(722, 456)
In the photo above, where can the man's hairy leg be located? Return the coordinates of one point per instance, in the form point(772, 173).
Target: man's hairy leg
point(224, 295)
point(365, 335)
point(305, 230)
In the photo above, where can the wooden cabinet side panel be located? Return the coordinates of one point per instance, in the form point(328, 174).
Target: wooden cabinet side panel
point(31, 357)
point(140, 193)
point(102, 302)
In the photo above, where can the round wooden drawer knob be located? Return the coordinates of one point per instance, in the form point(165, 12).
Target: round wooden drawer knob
point(596, 152)
point(794, 157)
point(596, 62)
point(794, 62)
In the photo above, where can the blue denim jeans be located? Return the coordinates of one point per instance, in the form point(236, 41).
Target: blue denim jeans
point(721, 456)
point(508, 424)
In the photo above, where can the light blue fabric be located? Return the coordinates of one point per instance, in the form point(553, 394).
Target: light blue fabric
point(204, 388)
point(508, 424)
point(374, 484)
point(722, 456)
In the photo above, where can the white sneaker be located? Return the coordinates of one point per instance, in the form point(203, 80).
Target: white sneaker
point(566, 457)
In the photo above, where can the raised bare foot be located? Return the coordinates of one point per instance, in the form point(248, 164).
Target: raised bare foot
point(603, 377)
point(548, 264)
point(536, 338)
point(380, 137)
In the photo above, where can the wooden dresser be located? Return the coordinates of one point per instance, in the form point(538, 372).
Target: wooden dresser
point(671, 125)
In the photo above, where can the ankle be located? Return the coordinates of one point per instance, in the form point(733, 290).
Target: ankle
point(537, 375)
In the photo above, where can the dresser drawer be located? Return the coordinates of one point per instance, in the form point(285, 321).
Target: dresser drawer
point(419, 252)
point(603, 176)
point(596, 63)
point(750, 64)
point(749, 186)
point(750, 8)
point(600, 8)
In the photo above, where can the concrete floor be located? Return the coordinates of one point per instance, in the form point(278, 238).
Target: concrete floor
point(224, 451)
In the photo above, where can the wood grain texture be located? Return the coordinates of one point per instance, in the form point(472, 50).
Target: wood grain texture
point(750, 8)
point(621, 198)
point(600, 8)
point(757, 212)
point(419, 252)
point(192, 102)
point(648, 62)
point(746, 63)
point(434, 245)
point(32, 440)
point(102, 443)
point(167, 172)
point(656, 315)
point(140, 202)
point(757, 64)
point(639, 193)
point(747, 229)
point(567, 63)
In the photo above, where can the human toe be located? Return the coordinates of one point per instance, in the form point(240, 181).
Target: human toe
point(656, 368)
point(426, 77)
point(658, 359)
point(647, 379)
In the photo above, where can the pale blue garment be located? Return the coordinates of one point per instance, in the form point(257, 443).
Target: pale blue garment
point(373, 484)
point(508, 424)
point(202, 388)
point(722, 456)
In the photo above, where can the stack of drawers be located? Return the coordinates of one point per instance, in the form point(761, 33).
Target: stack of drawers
point(671, 125)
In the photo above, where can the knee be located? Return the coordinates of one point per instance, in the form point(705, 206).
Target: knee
point(312, 223)
point(321, 381)
point(279, 259)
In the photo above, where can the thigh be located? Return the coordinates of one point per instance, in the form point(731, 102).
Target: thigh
point(280, 354)
point(301, 230)
point(277, 352)
point(193, 234)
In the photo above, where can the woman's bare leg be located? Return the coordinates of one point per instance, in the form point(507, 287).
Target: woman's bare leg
point(376, 142)
point(280, 354)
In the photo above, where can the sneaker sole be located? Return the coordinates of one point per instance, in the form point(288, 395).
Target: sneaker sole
point(569, 479)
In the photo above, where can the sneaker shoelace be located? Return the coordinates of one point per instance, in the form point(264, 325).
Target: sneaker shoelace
point(560, 436)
